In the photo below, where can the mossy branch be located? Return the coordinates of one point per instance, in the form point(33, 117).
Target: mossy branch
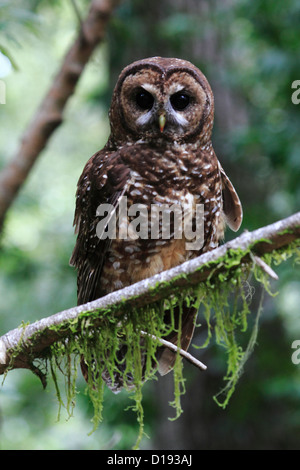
point(21, 346)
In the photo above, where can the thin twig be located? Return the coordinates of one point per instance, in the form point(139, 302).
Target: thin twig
point(264, 266)
point(176, 349)
point(77, 12)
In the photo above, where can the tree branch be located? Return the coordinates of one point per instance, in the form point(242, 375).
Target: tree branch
point(26, 343)
point(50, 112)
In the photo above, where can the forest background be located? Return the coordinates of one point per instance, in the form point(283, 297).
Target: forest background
point(250, 51)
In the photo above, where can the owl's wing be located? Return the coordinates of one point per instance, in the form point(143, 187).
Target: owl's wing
point(232, 206)
point(103, 181)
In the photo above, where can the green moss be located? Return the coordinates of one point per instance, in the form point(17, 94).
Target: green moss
point(100, 346)
point(225, 298)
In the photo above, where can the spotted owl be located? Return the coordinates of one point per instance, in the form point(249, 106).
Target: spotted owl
point(159, 153)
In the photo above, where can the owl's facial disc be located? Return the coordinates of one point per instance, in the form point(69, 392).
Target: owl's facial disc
point(155, 106)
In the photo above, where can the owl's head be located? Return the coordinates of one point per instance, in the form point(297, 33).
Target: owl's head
point(162, 99)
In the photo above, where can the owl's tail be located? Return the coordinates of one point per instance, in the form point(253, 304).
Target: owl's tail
point(165, 358)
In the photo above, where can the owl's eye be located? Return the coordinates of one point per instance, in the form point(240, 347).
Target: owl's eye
point(180, 101)
point(144, 99)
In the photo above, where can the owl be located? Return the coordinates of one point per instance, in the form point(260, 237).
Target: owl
point(159, 154)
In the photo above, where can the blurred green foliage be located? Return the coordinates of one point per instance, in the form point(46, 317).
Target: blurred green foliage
point(249, 51)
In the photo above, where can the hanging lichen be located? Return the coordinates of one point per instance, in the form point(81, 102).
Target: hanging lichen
point(224, 299)
point(99, 347)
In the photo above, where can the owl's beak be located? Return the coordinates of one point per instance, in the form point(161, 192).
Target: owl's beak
point(162, 122)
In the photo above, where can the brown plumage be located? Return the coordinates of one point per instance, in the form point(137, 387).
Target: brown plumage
point(159, 152)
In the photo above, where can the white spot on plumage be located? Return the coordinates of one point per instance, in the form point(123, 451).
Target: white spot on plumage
point(135, 192)
point(118, 284)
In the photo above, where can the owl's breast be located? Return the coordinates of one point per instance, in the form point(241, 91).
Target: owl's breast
point(166, 220)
